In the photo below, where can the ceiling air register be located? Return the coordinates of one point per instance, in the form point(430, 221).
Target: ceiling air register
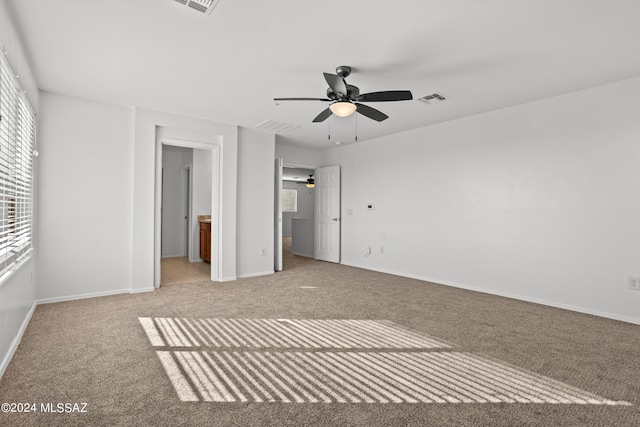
point(204, 6)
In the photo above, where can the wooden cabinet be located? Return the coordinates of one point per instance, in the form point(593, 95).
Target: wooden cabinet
point(205, 241)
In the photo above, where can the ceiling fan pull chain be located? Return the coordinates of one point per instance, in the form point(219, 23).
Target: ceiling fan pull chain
point(356, 138)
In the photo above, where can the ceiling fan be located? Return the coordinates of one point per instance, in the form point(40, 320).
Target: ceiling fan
point(346, 99)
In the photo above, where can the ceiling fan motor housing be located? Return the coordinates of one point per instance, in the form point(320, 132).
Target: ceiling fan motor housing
point(352, 94)
point(343, 71)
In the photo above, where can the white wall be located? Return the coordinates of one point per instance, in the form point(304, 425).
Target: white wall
point(102, 241)
point(173, 221)
point(297, 156)
point(202, 174)
point(171, 164)
point(148, 123)
point(98, 196)
point(540, 201)
point(255, 214)
point(85, 198)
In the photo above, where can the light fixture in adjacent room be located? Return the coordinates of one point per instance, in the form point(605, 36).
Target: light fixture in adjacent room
point(342, 108)
point(311, 182)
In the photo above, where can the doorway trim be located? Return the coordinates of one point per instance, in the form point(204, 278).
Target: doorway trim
point(216, 203)
point(277, 238)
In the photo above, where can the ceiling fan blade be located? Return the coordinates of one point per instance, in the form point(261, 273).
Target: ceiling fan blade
point(372, 113)
point(322, 116)
point(301, 99)
point(336, 83)
point(388, 95)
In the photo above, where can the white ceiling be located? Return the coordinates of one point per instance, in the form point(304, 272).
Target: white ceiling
point(228, 66)
point(296, 174)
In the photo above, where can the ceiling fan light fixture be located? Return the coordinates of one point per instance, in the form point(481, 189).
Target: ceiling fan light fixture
point(342, 108)
point(311, 182)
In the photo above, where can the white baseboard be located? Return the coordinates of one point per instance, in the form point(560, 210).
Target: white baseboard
point(142, 290)
point(540, 301)
point(227, 279)
point(93, 295)
point(264, 273)
point(16, 340)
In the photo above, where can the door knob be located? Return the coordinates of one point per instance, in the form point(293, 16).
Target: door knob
point(335, 219)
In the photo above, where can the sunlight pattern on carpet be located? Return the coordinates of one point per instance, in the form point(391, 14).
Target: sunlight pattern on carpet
point(283, 333)
point(341, 361)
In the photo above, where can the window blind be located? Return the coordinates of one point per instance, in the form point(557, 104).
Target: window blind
point(17, 142)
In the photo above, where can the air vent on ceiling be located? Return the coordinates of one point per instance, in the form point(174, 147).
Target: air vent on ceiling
point(204, 6)
point(276, 127)
point(432, 99)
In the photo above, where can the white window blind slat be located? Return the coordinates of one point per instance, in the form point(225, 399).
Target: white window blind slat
point(17, 142)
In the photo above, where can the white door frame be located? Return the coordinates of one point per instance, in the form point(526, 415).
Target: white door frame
point(277, 226)
point(216, 204)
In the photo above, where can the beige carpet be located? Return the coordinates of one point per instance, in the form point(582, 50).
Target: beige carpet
point(322, 344)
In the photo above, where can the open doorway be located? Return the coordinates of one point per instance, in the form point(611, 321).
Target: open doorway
point(180, 261)
point(187, 192)
point(298, 201)
point(315, 233)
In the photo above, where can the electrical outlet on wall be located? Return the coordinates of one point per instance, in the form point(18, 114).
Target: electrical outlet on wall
point(634, 283)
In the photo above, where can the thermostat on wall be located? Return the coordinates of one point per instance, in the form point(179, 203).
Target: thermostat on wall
point(371, 206)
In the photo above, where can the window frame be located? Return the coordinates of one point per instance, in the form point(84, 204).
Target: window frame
point(17, 151)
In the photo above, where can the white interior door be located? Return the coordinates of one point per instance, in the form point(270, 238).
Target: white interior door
point(327, 214)
point(277, 229)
